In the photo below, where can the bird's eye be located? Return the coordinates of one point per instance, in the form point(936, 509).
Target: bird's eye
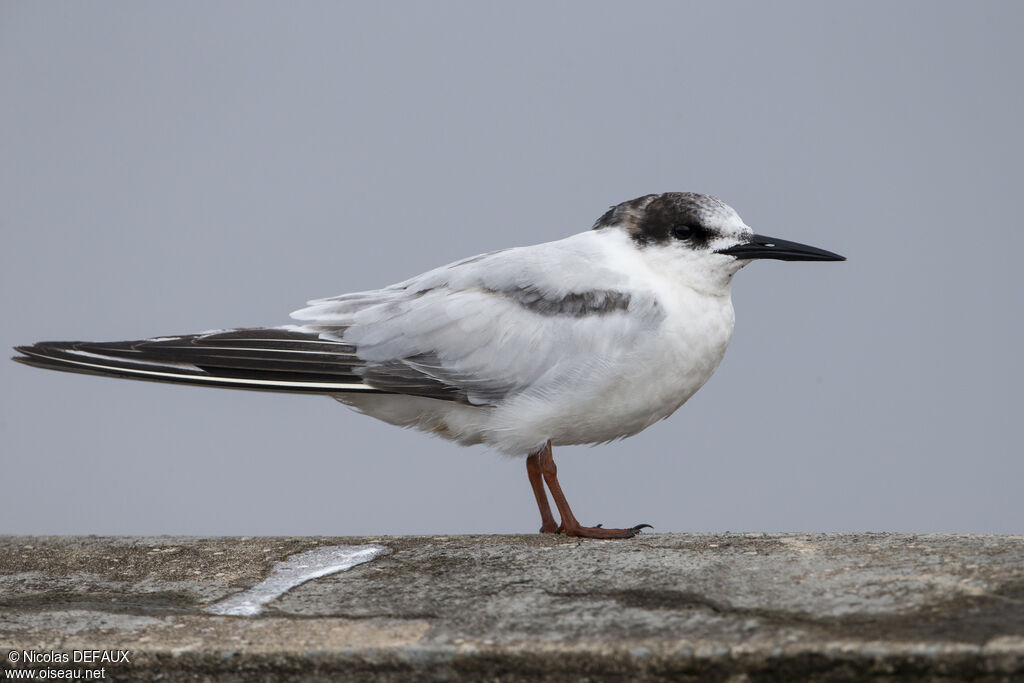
point(684, 231)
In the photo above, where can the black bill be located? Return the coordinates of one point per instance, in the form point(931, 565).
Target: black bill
point(760, 246)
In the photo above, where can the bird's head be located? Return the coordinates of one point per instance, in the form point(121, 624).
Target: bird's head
point(700, 234)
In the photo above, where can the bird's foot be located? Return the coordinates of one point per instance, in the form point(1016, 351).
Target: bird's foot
point(550, 528)
point(600, 532)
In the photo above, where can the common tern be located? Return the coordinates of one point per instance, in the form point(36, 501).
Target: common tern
point(583, 340)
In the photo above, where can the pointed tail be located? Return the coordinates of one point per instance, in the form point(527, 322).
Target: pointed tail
point(262, 359)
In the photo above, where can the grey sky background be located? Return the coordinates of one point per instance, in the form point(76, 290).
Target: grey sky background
point(174, 167)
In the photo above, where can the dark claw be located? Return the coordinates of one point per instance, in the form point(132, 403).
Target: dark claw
point(598, 526)
point(638, 527)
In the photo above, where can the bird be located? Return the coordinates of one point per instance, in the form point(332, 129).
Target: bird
point(583, 340)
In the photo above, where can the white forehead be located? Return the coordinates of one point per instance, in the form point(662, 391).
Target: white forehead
point(723, 219)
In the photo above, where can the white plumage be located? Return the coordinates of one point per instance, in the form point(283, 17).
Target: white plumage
point(530, 376)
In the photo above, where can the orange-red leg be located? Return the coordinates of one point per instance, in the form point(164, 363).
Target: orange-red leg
point(547, 520)
point(542, 465)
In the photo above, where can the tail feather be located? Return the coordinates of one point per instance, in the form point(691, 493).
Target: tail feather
point(265, 359)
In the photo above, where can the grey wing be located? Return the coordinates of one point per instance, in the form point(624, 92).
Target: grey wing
point(483, 329)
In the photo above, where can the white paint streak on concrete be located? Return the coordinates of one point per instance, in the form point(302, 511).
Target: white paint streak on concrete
point(292, 572)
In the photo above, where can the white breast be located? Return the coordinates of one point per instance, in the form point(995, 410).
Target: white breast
point(647, 385)
point(642, 384)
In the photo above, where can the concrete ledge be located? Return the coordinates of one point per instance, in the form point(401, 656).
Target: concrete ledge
point(738, 607)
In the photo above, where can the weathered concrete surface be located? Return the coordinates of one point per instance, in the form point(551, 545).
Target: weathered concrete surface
point(776, 607)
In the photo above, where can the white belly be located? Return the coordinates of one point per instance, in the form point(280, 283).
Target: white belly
point(604, 402)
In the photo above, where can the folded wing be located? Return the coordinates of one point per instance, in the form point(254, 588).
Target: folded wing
point(492, 326)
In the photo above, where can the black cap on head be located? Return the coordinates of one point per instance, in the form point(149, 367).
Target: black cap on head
point(663, 218)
